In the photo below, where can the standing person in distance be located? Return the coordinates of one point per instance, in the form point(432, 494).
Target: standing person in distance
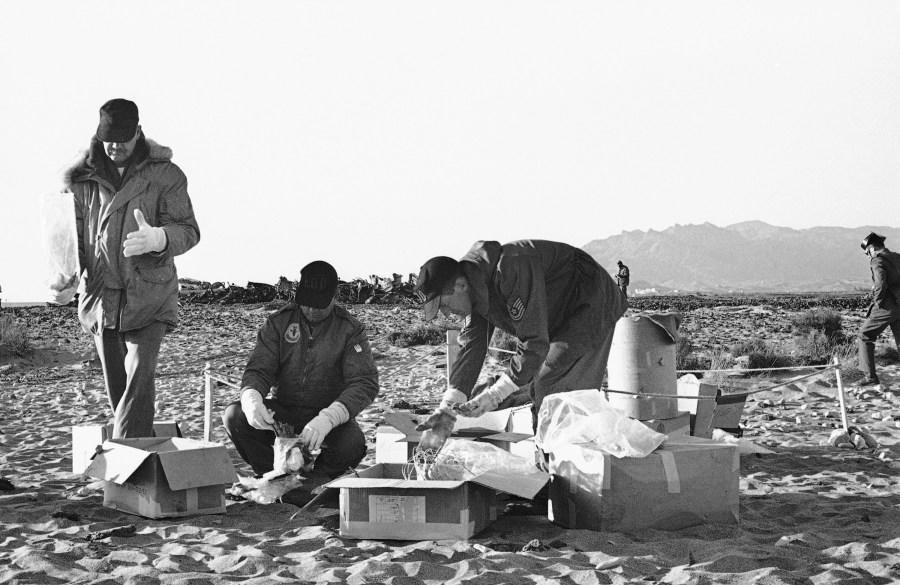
point(623, 278)
point(884, 310)
point(133, 217)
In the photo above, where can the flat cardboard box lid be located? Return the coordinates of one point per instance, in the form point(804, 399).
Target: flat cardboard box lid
point(524, 486)
point(485, 426)
point(186, 463)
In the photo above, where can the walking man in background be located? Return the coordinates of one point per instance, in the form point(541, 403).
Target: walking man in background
point(315, 358)
point(554, 298)
point(623, 278)
point(133, 216)
point(884, 310)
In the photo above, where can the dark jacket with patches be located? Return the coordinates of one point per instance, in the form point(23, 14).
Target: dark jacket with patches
point(129, 293)
point(885, 267)
point(309, 373)
point(540, 292)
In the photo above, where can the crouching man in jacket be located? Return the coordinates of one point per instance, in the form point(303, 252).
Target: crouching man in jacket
point(315, 359)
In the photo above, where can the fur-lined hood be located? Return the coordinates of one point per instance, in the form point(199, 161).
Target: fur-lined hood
point(81, 169)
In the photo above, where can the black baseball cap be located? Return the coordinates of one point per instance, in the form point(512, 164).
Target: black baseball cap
point(118, 121)
point(435, 277)
point(872, 239)
point(318, 284)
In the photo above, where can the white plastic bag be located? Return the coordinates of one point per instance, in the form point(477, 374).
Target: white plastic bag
point(60, 237)
point(585, 417)
point(460, 459)
point(288, 457)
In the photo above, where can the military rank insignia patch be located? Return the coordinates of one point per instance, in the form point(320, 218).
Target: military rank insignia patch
point(292, 334)
point(516, 309)
point(357, 348)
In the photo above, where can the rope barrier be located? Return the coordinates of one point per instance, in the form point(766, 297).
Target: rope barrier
point(741, 370)
point(744, 393)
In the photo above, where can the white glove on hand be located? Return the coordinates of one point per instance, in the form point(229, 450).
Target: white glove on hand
point(490, 399)
point(315, 430)
point(146, 239)
point(255, 410)
point(438, 427)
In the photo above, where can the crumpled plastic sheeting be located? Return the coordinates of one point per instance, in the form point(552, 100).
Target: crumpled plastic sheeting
point(460, 459)
point(60, 239)
point(288, 455)
point(584, 416)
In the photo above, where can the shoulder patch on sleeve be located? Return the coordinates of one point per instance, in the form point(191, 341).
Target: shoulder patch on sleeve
point(292, 334)
point(516, 309)
point(357, 348)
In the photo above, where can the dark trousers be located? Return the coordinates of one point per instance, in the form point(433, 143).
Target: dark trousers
point(568, 367)
point(129, 361)
point(868, 334)
point(344, 447)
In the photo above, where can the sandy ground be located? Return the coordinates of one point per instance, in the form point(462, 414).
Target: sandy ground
point(810, 513)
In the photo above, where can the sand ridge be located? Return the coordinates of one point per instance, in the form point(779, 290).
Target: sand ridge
point(809, 513)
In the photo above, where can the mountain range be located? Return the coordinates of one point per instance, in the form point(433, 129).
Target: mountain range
point(749, 257)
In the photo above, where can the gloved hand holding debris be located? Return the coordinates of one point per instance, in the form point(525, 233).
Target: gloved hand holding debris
point(315, 430)
point(490, 399)
point(438, 427)
point(255, 410)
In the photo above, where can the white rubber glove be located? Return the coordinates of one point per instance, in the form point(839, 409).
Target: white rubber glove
point(490, 399)
point(315, 430)
point(255, 410)
point(146, 239)
point(438, 427)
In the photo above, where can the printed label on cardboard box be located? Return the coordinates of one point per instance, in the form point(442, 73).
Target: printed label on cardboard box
point(393, 509)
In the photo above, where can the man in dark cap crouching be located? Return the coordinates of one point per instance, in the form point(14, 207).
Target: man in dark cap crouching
point(315, 358)
point(884, 310)
point(133, 216)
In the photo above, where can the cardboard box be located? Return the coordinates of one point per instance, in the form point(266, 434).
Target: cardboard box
point(510, 429)
point(378, 503)
point(86, 439)
point(686, 481)
point(163, 477)
point(718, 407)
point(678, 426)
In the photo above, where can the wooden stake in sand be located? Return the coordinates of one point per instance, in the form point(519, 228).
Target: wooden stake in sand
point(840, 393)
point(207, 403)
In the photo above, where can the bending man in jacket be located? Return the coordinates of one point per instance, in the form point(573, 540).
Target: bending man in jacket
point(554, 298)
point(133, 216)
point(315, 358)
point(884, 311)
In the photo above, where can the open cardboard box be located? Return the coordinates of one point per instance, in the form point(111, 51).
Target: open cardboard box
point(163, 477)
point(86, 439)
point(715, 406)
point(378, 503)
point(686, 481)
point(510, 429)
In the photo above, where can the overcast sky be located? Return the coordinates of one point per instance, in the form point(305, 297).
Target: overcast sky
point(378, 134)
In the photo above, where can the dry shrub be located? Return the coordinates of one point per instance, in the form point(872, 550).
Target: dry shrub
point(13, 339)
point(762, 354)
point(685, 356)
point(825, 321)
point(818, 337)
point(427, 334)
